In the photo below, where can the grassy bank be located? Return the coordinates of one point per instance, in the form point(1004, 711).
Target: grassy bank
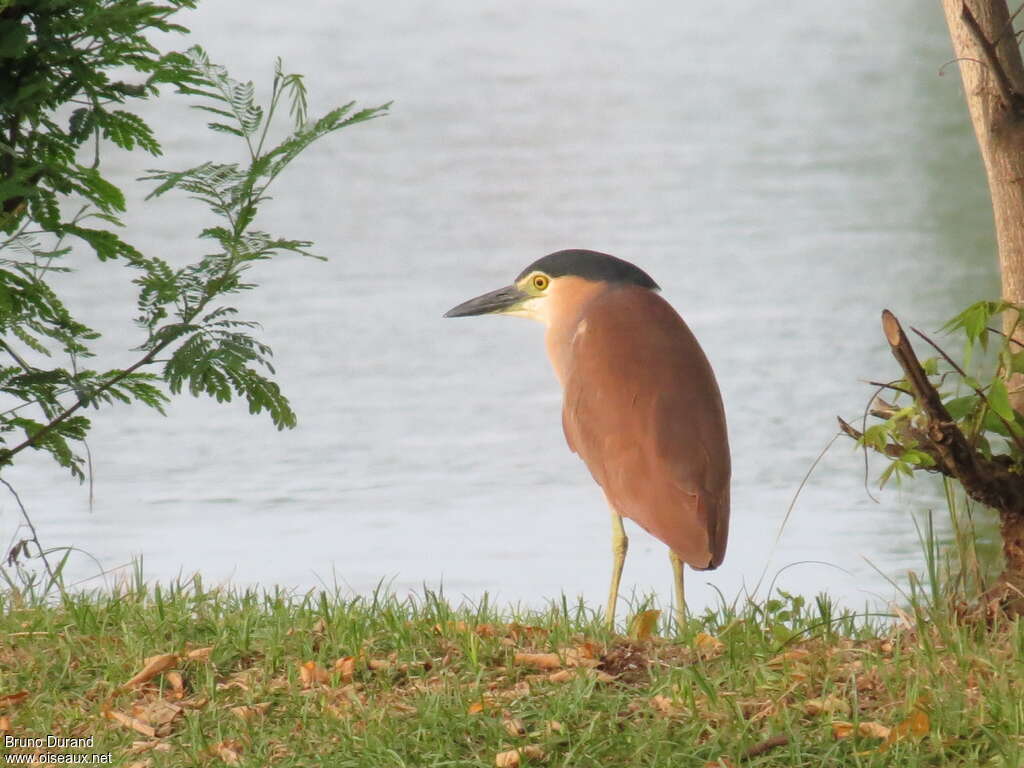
point(190, 676)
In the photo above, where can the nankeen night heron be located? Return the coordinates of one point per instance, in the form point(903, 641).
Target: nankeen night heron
point(640, 405)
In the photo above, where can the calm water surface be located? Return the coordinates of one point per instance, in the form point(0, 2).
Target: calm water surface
point(782, 170)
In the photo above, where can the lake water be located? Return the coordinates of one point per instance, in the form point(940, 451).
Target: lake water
point(784, 171)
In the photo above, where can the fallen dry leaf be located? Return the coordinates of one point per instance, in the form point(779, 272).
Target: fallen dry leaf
point(345, 668)
point(581, 656)
point(460, 627)
point(176, 682)
point(12, 698)
point(707, 647)
point(873, 730)
point(131, 722)
point(476, 707)
point(5, 724)
point(155, 711)
point(229, 751)
point(520, 631)
point(538, 660)
point(513, 757)
point(841, 729)
point(378, 664)
point(906, 620)
point(452, 626)
point(564, 676)
point(152, 667)
point(514, 726)
point(664, 705)
point(827, 705)
point(243, 680)
point(642, 626)
point(158, 713)
point(599, 675)
point(320, 626)
point(278, 683)
point(914, 727)
point(555, 727)
point(589, 648)
point(138, 747)
point(311, 673)
point(797, 654)
point(249, 711)
point(200, 654)
point(517, 691)
point(278, 750)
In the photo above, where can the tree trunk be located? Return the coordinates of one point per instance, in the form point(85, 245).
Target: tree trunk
point(987, 50)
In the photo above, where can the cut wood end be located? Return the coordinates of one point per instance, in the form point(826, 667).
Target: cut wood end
point(891, 328)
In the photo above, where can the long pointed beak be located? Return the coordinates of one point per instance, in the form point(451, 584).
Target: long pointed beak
point(494, 302)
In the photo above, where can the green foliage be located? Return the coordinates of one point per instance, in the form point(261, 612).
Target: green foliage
point(57, 55)
point(63, 57)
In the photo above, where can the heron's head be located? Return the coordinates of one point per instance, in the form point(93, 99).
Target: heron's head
point(549, 284)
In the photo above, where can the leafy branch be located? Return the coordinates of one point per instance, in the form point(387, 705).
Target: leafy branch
point(201, 342)
point(984, 416)
point(976, 439)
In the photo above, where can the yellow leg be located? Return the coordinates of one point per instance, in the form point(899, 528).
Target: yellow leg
point(680, 596)
point(620, 544)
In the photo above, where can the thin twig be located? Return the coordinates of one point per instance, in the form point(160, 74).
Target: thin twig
point(17, 358)
point(1017, 440)
point(102, 573)
point(957, 60)
point(863, 429)
point(942, 352)
point(1008, 338)
point(883, 385)
point(5, 456)
point(1016, 13)
point(893, 450)
point(88, 465)
point(35, 535)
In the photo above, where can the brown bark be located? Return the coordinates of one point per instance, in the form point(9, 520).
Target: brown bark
point(990, 62)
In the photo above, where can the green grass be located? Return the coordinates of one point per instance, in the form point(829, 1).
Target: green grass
point(436, 685)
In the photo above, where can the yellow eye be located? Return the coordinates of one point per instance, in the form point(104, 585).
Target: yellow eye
point(540, 282)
